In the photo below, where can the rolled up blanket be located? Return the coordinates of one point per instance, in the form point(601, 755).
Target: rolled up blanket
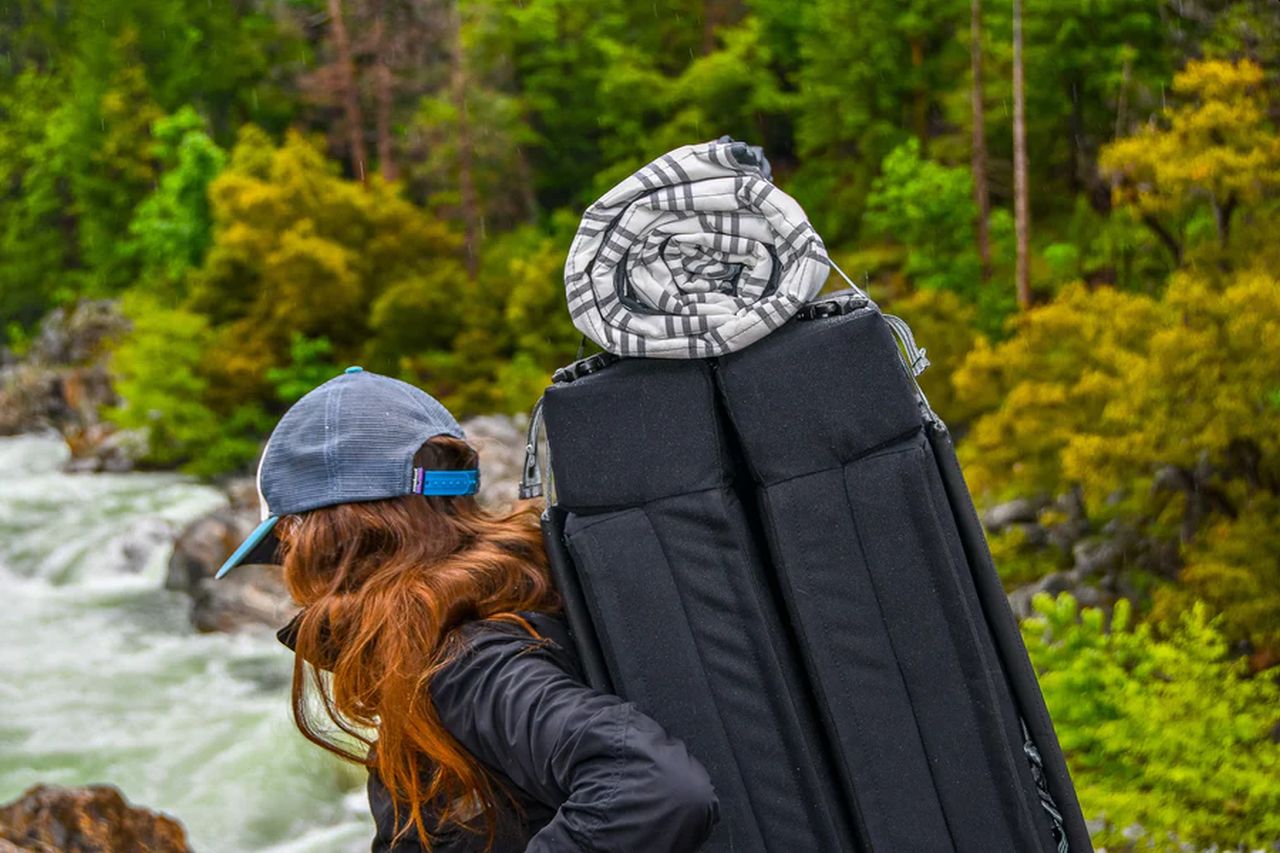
point(697, 254)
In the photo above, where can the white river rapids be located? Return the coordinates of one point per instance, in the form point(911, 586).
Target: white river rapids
point(103, 680)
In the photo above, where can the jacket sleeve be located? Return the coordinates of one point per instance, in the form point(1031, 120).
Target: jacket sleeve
point(618, 781)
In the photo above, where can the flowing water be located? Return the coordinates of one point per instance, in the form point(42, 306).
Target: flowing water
point(103, 680)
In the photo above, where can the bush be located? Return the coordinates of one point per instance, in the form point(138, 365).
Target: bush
point(156, 369)
point(1166, 734)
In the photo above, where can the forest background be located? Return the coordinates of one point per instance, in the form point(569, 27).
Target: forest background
point(269, 190)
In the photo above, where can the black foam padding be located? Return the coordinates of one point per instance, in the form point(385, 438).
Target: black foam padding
point(875, 577)
point(577, 614)
point(636, 431)
point(678, 598)
point(834, 386)
point(1008, 639)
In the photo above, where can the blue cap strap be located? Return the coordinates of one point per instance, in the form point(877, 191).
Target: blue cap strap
point(446, 482)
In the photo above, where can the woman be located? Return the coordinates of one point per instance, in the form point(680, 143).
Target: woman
point(428, 646)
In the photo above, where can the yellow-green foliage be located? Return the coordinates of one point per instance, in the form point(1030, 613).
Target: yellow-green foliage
point(1018, 561)
point(1168, 734)
point(1100, 387)
point(1103, 389)
point(1047, 385)
point(157, 373)
point(299, 249)
point(1235, 567)
point(1218, 144)
point(1201, 384)
point(516, 328)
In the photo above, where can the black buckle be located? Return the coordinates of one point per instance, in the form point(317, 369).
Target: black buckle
point(583, 367)
point(835, 306)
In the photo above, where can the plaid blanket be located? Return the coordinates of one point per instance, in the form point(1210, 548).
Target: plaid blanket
point(695, 255)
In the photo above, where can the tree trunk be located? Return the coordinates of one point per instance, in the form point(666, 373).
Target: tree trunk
point(350, 92)
point(1021, 200)
point(920, 102)
point(1165, 236)
point(528, 194)
point(467, 202)
point(981, 197)
point(384, 92)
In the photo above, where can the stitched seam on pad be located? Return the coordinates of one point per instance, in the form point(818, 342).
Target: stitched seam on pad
point(875, 594)
point(702, 664)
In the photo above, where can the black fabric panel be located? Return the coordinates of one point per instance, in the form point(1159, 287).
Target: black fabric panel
point(900, 658)
point(577, 615)
point(639, 430)
point(985, 671)
point(1008, 640)
point(938, 643)
point(876, 578)
point(687, 636)
point(815, 394)
point(863, 697)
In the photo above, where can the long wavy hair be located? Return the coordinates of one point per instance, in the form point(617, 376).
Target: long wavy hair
point(383, 584)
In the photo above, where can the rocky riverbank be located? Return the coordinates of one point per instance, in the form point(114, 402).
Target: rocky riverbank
point(61, 383)
point(92, 819)
point(1097, 564)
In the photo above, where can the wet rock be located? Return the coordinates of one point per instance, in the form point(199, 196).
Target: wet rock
point(1098, 557)
point(1019, 510)
point(1090, 596)
point(1033, 535)
point(30, 399)
point(248, 597)
point(62, 383)
point(100, 447)
point(94, 819)
point(204, 544)
point(1053, 583)
point(77, 335)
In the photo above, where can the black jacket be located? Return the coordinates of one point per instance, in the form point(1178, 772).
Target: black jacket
point(590, 772)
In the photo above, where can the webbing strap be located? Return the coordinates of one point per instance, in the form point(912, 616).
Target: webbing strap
point(1042, 788)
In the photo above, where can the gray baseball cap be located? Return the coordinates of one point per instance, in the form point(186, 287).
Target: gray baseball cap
point(351, 439)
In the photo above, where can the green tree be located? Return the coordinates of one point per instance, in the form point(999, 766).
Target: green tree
point(1219, 148)
point(1047, 385)
point(871, 74)
point(157, 371)
point(299, 249)
point(172, 227)
point(929, 208)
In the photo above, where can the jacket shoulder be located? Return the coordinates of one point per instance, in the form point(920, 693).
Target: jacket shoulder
point(484, 642)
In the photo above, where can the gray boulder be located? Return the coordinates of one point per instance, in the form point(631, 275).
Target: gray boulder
point(1016, 511)
point(250, 596)
point(1098, 557)
point(499, 439)
point(1053, 583)
point(203, 545)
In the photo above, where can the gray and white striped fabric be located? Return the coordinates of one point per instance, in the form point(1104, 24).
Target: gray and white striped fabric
point(695, 255)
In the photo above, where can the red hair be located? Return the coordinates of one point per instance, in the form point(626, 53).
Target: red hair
point(383, 584)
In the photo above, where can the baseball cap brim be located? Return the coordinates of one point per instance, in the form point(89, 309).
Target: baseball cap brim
point(260, 547)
